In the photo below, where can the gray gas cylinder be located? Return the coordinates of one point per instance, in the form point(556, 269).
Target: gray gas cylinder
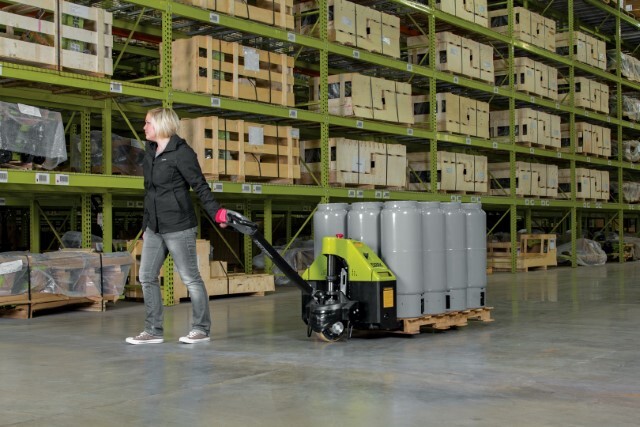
point(363, 224)
point(401, 250)
point(476, 225)
point(434, 272)
point(456, 255)
point(330, 219)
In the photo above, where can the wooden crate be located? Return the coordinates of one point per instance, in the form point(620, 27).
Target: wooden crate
point(58, 35)
point(588, 94)
point(87, 41)
point(586, 49)
point(207, 65)
point(242, 150)
point(278, 13)
point(532, 127)
point(500, 177)
point(365, 164)
point(377, 31)
point(533, 251)
point(530, 76)
point(455, 54)
point(341, 25)
point(584, 184)
point(457, 172)
point(473, 11)
point(356, 95)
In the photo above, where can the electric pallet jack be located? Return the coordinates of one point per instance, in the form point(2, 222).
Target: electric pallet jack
point(347, 286)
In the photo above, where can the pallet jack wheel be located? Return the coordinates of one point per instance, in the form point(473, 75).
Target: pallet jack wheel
point(333, 333)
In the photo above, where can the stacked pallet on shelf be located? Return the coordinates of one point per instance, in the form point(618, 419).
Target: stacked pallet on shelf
point(586, 49)
point(352, 25)
point(591, 184)
point(533, 128)
point(244, 151)
point(531, 76)
point(217, 280)
point(455, 54)
point(456, 172)
point(454, 113)
point(59, 35)
point(533, 251)
point(629, 65)
point(207, 65)
point(357, 95)
point(532, 179)
point(528, 26)
point(33, 282)
point(363, 164)
point(588, 94)
point(590, 139)
point(278, 13)
point(473, 11)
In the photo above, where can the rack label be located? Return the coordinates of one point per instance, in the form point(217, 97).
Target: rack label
point(291, 37)
point(409, 131)
point(467, 141)
point(62, 179)
point(356, 54)
point(140, 204)
point(359, 124)
point(218, 187)
point(494, 145)
point(378, 194)
point(455, 198)
point(532, 150)
point(131, 204)
point(42, 178)
point(215, 102)
point(257, 188)
point(115, 87)
point(386, 194)
point(559, 155)
point(351, 193)
point(4, 176)
point(360, 194)
point(0, 69)
point(409, 67)
point(456, 79)
point(214, 18)
point(246, 188)
point(293, 114)
point(496, 90)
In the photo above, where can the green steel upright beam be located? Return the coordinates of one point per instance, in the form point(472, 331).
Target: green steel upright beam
point(34, 226)
point(165, 57)
point(513, 228)
point(85, 137)
point(433, 100)
point(618, 39)
point(572, 135)
point(107, 153)
point(86, 220)
point(268, 231)
point(107, 222)
point(325, 153)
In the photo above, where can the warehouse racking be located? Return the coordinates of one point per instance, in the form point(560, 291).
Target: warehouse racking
point(101, 102)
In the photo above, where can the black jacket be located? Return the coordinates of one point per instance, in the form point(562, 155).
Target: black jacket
point(167, 179)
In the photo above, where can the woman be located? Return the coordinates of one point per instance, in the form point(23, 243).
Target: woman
point(170, 224)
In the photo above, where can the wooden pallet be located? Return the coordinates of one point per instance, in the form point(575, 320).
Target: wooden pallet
point(58, 35)
point(445, 321)
point(43, 301)
point(243, 150)
point(207, 65)
point(278, 13)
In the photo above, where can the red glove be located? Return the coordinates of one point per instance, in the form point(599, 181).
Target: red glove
point(221, 216)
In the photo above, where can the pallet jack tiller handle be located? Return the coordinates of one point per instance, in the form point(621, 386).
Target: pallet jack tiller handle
point(245, 226)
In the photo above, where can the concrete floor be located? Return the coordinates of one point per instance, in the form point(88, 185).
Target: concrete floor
point(563, 351)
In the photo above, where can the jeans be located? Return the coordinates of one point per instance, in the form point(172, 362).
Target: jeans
point(182, 246)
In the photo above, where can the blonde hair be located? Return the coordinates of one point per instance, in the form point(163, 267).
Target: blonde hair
point(166, 121)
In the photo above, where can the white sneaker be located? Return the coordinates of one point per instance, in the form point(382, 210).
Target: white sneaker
point(195, 337)
point(145, 338)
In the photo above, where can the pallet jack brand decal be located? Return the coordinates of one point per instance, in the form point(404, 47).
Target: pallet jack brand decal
point(376, 264)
